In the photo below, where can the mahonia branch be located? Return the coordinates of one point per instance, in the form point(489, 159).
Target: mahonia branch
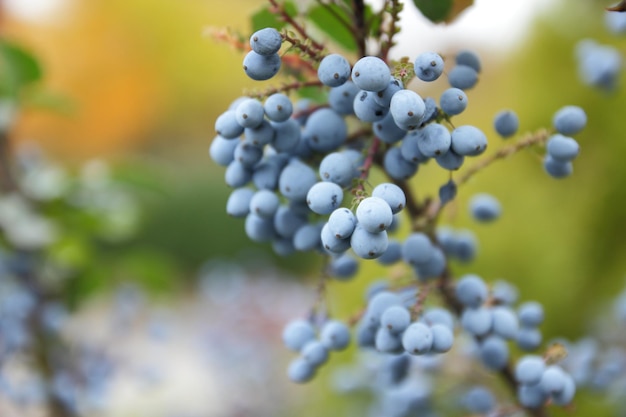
point(393, 7)
point(285, 88)
point(539, 137)
point(359, 189)
point(305, 47)
point(280, 10)
point(360, 27)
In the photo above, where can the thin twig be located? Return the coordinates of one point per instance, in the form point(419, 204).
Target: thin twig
point(360, 28)
point(285, 88)
point(280, 9)
point(541, 136)
point(394, 9)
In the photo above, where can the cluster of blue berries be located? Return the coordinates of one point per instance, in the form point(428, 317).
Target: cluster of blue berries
point(298, 172)
point(300, 336)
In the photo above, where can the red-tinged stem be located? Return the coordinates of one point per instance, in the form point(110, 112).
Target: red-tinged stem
point(309, 111)
point(369, 159)
point(285, 88)
point(280, 9)
point(312, 53)
point(391, 31)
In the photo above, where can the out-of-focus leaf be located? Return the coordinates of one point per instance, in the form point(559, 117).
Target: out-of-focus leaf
point(18, 68)
point(47, 100)
point(313, 93)
point(328, 19)
point(152, 269)
point(442, 10)
point(264, 18)
point(458, 7)
point(621, 7)
point(434, 10)
point(373, 21)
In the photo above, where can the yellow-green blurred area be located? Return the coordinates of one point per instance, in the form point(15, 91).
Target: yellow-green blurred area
point(141, 82)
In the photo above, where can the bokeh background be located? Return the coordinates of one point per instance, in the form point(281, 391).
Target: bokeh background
point(139, 84)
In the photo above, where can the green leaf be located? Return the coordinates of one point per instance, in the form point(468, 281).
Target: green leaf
point(442, 10)
point(434, 10)
point(264, 18)
point(373, 20)
point(18, 68)
point(328, 18)
point(47, 100)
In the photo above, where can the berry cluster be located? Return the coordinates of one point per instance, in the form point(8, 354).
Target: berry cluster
point(300, 175)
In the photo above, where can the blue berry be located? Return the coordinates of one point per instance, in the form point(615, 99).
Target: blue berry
point(334, 70)
point(371, 73)
point(557, 169)
point(264, 203)
point(342, 222)
point(453, 101)
point(417, 339)
point(250, 113)
point(506, 123)
point(396, 166)
point(222, 150)
point(529, 369)
point(238, 203)
point(479, 400)
point(562, 148)
point(300, 371)
point(435, 140)
point(471, 291)
point(530, 314)
point(335, 335)
point(324, 197)
point(396, 319)
point(374, 214)
point(325, 130)
point(463, 77)
point(368, 245)
point(428, 66)
point(278, 107)
point(443, 338)
point(494, 352)
point(343, 267)
point(392, 194)
point(261, 67)
point(298, 333)
point(468, 140)
point(484, 207)
point(407, 109)
point(469, 58)
point(226, 125)
point(569, 120)
point(367, 109)
point(341, 99)
point(295, 180)
point(338, 168)
point(477, 321)
point(266, 41)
